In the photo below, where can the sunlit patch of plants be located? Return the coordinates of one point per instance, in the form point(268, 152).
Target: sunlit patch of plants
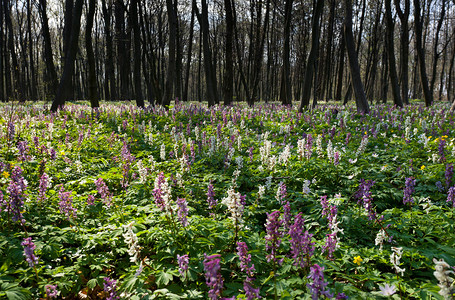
point(226, 202)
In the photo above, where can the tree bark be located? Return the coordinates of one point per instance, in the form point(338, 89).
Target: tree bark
point(170, 78)
point(318, 8)
point(189, 55)
point(391, 54)
point(17, 84)
point(229, 61)
point(286, 88)
point(137, 54)
point(360, 98)
point(212, 93)
point(436, 54)
point(421, 54)
point(2, 54)
point(123, 44)
point(109, 86)
point(92, 83)
point(65, 88)
point(33, 88)
point(404, 48)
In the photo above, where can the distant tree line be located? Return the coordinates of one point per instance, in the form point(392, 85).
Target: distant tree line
point(223, 51)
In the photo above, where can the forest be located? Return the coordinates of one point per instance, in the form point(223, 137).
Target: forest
point(235, 149)
point(227, 51)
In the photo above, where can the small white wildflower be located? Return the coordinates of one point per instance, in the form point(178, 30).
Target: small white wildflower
point(261, 191)
point(268, 182)
point(387, 290)
point(132, 242)
point(442, 272)
point(233, 203)
point(163, 152)
point(395, 259)
point(306, 187)
point(380, 238)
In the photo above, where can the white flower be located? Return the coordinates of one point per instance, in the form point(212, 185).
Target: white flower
point(163, 152)
point(387, 290)
point(306, 187)
point(261, 191)
point(442, 275)
point(395, 259)
point(131, 241)
point(234, 205)
point(380, 237)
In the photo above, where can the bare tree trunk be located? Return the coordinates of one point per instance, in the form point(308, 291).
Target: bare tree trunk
point(64, 89)
point(360, 98)
point(421, 54)
point(391, 55)
point(92, 84)
point(137, 54)
point(210, 75)
point(110, 86)
point(170, 79)
point(436, 54)
point(178, 55)
point(318, 8)
point(33, 88)
point(17, 87)
point(123, 43)
point(286, 88)
point(229, 62)
point(404, 47)
point(188, 57)
point(2, 55)
point(339, 89)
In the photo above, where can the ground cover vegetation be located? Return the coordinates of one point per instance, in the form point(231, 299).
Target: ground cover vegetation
point(226, 202)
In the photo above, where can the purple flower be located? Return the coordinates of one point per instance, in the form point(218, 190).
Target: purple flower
point(211, 196)
point(182, 211)
point(66, 204)
point(90, 200)
point(10, 131)
point(53, 154)
point(250, 292)
point(451, 196)
point(184, 261)
point(282, 192)
point(318, 284)
point(51, 291)
point(439, 186)
point(16, 202)
point(325, 205)
point(22, 146)
point(336, 158)
point(110, 287)
point(245, 259)
point(363, 195)
point(161, 192)
point(341, 296)
point(286, 215)
point(330, 244)
point(408, 190)
point(213, 278)
point(441, 147)
point(301, 246)
point(273, 237)
point(36, 142)
point(43, 185)
point(250, 153)
point(103, 190)
point(448, 175)
point(29, 254)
